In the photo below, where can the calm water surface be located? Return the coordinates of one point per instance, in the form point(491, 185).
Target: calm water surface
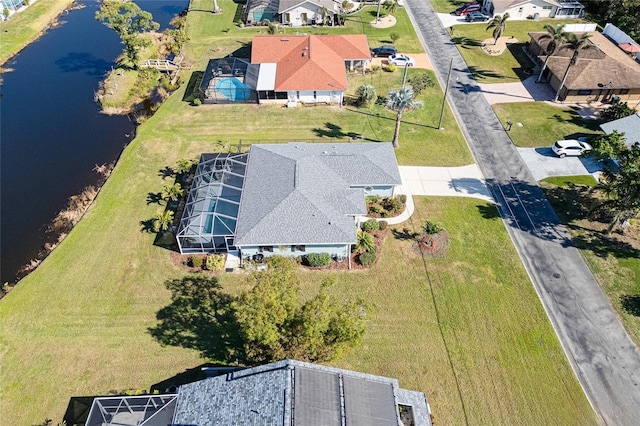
point(51, 131)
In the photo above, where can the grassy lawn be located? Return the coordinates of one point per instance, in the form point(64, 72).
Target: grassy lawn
point(542, 124)
point(614, 259)
point(25, 26)
point(505, 68)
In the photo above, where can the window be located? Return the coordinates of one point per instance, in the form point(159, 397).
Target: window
point(267, 249)
point(298, 248)
point(584, 92)
point(547, 7)
point(624, 91)
point(315, 95)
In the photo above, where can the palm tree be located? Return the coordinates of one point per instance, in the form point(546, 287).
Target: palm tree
point(172, 192)
point(576, 44)
point(391, 6)
point(366, 94)
point(163, 220)
point(324, 15)
point(557, 37)
point(400, 101)
point(499, 24)
point(365, 241)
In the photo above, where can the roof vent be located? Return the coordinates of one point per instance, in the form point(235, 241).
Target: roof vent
point(284, 39)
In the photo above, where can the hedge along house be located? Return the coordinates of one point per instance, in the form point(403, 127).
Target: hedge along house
point(306, 69)
point(295, 199)
point(602, 71)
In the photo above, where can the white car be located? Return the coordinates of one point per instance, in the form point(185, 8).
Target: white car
point(400, 60)
point(570, 147)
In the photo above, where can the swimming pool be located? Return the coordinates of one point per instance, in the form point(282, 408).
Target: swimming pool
point(233, 89)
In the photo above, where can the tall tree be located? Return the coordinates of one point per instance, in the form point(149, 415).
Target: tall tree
point(556, 36)
point(621, 189)
point(274, 323)
point(609, 146)
point(390, 6)
point(128, 21)
point(400, 101)
point(499, 24)
point(617, 111)
point(574, 44)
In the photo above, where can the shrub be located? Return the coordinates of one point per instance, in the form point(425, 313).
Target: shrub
point(402, 198)
point(383, 225)
point(215, 262)
point(393, 204)
point(420, 82)
point(390, 68)
point(366, 95)
point(376, 209)
point(394, 37)
point(431, 228)
point(318, 259)
point(370, 225)
point(365, 241)
point(368, 257)
point(195, 261)
point(375, 68)
point(197, 102)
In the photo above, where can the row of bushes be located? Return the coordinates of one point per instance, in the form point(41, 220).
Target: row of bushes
point(213, 262)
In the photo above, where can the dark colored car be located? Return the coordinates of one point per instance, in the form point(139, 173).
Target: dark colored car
point(467, 8)
point(476, 17)
point(383, 51)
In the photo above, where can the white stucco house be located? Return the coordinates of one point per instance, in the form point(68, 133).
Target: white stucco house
point(305, 69)
point(534, 9)
point(295, 13)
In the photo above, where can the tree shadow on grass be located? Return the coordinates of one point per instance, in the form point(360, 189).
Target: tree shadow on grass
point(479, 73)
point(631, 304)
point(577, 120)
point(193, 86)
point(200, 317)
point(466, 42)
point(334, 131)
point(148, 226)
point(488, 211)
point(154, 198)
point(405, 234)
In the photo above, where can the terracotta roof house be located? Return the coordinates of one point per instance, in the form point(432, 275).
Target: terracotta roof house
point(289, 393)
point(306, 69)
point(291, 12)
point(630, 126)
point(601, 72)
point(287, 199)
point(534, 9)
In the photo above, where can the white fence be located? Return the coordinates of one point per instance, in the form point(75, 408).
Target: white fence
point(579, 28)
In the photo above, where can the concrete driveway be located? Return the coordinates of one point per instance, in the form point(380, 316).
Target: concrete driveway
point(449, 19)
point(521, 91)
point(542, 163)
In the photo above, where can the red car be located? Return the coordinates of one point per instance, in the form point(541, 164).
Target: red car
point(466, 8)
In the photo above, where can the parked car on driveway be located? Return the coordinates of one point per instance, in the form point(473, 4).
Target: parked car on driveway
point(570, 147)
point(383, 51)
point(476, 17)
point(467, 8)
point(401, 60)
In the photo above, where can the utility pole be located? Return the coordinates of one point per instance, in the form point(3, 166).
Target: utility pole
point(378, 13)
point(404, 76)
point(446, 89)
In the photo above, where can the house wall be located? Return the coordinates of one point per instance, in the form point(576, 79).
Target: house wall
point(545, 10)
point(317, 96)
point(295, 16)
point(381, 191)
point(602, 95)
point(335, 250)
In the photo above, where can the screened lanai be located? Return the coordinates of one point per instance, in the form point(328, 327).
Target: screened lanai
point(208, 223)
point(145, 410)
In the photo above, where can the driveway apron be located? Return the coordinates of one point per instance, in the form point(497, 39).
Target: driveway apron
point(604, 358)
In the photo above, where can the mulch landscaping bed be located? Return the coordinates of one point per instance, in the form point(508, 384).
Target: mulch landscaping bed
point(182, 261)
point(378, 236)
point(431, 244)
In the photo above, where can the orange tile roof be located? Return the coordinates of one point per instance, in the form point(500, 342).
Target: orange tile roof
point(309, 62)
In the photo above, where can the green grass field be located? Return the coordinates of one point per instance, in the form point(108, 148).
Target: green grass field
point(512, 65)
point(27, 25)
point(466, 328)
point(542, 124)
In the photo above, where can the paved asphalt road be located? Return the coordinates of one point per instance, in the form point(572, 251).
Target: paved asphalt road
point(606, 361)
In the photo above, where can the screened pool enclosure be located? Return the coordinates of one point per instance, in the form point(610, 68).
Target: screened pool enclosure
point(208, 223)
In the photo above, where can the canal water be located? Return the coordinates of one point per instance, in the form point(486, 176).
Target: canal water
point(52, 134)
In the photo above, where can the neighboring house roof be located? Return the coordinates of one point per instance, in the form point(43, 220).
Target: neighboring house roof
point(297, 393)
point(630, 126)
point(309, 62)
point(597, 66)
point(301, 193)
point(285, 5)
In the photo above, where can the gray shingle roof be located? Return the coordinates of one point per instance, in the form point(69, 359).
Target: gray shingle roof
point(630, 126)
point(302, 193)
point(297, 393)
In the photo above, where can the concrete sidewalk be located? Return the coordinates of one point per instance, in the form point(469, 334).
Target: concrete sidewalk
point(465, 181)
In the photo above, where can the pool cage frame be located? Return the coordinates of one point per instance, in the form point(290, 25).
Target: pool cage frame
point(208, 223)
point(143, 410)
point(221, 69)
